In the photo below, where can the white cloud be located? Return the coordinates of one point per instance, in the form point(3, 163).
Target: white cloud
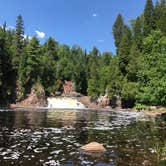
point(29, 37)
point(40, 34)
point(94, 15)
point(10, 27)
point(100, 40)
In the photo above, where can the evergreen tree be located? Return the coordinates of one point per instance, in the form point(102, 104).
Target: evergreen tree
point(33, 72)
point(22, 76)
point(115, 79)
point(157, 13)
point(51, 47)
point(148, 17)
point(5, 68)
point(118, 30)
point(64, 69)
point(138, 32)
point(124, 50)
point(106, 58)
point(134, 64)
point(93, 81)
point(79, 69)
point(19, 41)
point(48, 65)
point(160, 13)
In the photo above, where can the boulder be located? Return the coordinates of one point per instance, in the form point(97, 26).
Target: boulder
point(93, 147)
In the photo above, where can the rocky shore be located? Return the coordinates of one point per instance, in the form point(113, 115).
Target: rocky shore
point(71, 99)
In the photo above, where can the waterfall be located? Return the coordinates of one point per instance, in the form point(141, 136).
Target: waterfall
point(64, 102)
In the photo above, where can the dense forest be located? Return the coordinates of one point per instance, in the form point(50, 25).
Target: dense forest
point(137, 73)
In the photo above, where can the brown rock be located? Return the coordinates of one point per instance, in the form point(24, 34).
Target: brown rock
point(35, 99)
point(93, 147)
point(147, 163)
point(108, 107)
point(86, 100)
point(103, 101)
point(68, 87)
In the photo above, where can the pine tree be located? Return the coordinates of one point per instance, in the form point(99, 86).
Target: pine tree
point(19, 34)
point(118, 30)
point(19, 42)
point(124, 50)
point(51, 47)
point(22, 76)
point(138, 32)
point(115, 79)
point(48, 65)
point(5, 68)
point(93, 81)
point(149, 23)
point(161, 19)
point(134, 63)
point(33, 72)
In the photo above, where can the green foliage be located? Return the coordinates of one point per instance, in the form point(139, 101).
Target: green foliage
point(93, 89)
point(160, 16)
point(130, 90)
point(18, 42)
point(38, 89)
point(138, 32)
point(134, 63)
point(33, 50)
point(48, 65)
point(118, 30)
point(152, 76)
point(115, 79)
point(148, 17)
point(139, 106)
point(124, 50)
point(6, 82)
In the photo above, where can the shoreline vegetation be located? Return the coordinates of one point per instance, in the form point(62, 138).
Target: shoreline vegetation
point(133, 79)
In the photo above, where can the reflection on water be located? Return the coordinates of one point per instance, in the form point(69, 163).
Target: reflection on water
point(54, 138)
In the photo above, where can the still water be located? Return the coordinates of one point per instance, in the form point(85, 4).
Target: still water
point(53, 137)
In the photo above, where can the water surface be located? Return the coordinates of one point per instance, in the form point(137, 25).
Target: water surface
point(54, 137)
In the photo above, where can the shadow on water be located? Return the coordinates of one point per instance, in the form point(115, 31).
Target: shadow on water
point(54, 137)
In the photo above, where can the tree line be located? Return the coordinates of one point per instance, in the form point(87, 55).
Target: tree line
point(136, 73)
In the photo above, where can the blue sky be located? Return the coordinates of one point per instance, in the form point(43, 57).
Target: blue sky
point(86, 23)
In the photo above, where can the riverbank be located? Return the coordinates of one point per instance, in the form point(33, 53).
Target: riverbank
point(153, 111)
point(35, 102)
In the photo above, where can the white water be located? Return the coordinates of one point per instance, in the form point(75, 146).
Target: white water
point(61, 103)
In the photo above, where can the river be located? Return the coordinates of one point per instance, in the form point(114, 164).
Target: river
point(53, 137)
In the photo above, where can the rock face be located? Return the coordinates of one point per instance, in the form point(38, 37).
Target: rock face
point(93, 147)
point(103, 101)
point(86, 100)
point(68, 87)
point(35, 99)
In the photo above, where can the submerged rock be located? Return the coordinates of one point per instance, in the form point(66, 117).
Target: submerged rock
point(93, 147)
